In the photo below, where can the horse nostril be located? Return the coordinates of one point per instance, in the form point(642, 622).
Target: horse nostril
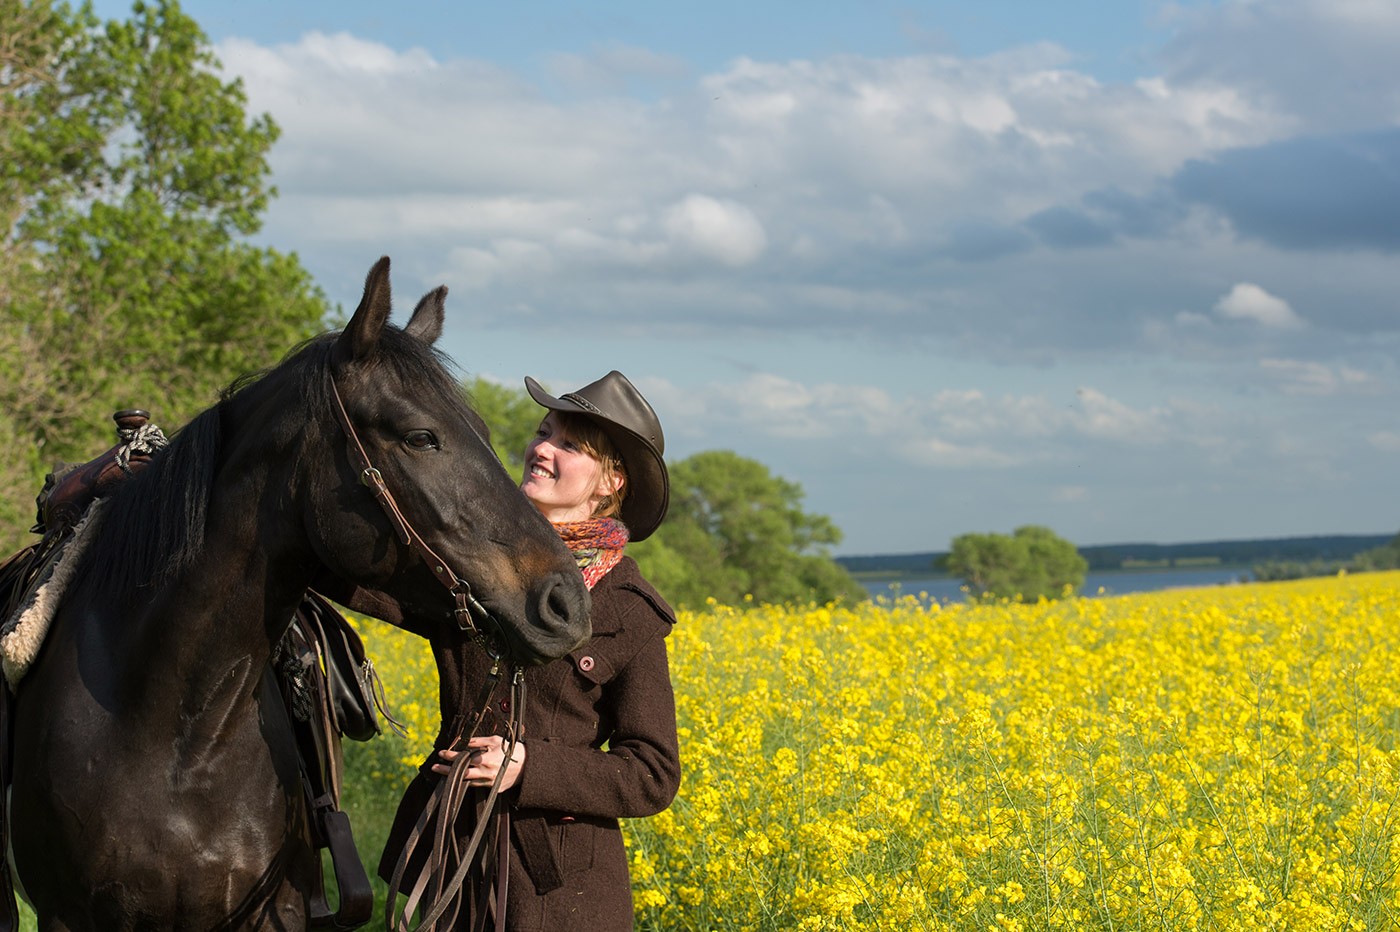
point(563, 607)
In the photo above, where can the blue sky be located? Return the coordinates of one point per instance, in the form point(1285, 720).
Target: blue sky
point(1127, 270)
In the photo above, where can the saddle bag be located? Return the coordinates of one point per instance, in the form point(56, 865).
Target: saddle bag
point(331, 691)
point(353, 688)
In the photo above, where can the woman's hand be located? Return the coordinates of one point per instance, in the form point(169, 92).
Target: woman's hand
point(488, 755)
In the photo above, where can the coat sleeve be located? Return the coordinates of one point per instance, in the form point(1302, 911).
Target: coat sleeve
point(639, 774)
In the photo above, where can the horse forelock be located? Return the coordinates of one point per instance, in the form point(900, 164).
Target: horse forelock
point(421, 367)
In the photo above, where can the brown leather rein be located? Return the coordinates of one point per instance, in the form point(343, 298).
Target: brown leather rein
point(450, 792)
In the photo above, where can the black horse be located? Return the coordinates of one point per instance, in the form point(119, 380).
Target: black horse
point(156, 781)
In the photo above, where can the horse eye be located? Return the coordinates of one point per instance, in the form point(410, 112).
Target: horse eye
point(421, 440)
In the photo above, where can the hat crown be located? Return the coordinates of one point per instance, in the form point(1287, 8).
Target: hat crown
point(616, 399)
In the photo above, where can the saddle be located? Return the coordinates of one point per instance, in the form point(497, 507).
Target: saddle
point(328, 683)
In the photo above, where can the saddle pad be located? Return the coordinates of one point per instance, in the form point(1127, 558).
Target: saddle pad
point(23, 632)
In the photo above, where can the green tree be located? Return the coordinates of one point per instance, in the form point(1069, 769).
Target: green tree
point(736, 530)
point(1384, 557)
point(131, 179)
point(512, 416)
point(1030, 564)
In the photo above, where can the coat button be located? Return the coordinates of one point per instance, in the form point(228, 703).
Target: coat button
point(585, 663)
point(505, 705)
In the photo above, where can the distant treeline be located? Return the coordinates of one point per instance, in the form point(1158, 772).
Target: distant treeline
point(1330, 549)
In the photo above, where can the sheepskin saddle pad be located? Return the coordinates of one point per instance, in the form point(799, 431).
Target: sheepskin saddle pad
point(23, 632)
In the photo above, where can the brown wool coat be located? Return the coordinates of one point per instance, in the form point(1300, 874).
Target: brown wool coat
point(568, 866)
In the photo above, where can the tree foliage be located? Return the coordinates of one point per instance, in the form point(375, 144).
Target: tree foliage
point(734, 530)
point(512, 416)
point(1031, 564)
point(130, 179)
point(1385, 557)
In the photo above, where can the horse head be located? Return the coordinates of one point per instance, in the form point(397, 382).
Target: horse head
point(456, 537)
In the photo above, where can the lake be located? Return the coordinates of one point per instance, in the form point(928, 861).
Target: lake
point(1112, 582)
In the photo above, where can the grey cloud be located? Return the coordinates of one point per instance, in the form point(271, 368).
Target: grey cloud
point(1136, 215)
point(1330, 65)
point(1329, 192)
point(982, 242)
point(1333, 192)
point(1104, 216)
point(1062, 227)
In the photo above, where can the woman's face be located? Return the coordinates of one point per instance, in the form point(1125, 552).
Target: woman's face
point(565, 483)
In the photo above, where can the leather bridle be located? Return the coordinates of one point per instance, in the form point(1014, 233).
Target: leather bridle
point(467, 609)
point(450, 793)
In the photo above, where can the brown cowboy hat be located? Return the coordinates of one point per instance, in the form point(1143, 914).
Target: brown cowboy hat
point(620, 411)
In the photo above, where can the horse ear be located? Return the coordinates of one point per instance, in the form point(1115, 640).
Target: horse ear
point(426, 322)
point(360, 337)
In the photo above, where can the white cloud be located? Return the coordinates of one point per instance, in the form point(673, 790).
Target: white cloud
point(1098, 415)
point(824, 193)
point(719, 229)
point(828, 197)
point(1386, 440)
point(935, 451)
point(1302, 377)
point(784, 407)
point(954, 428)
point(925, 139)
point(1254, 47)
point(1248, 301)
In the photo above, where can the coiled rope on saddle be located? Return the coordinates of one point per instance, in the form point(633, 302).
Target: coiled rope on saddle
point(137, 440)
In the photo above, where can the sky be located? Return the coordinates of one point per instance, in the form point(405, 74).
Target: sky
point(1126, 270)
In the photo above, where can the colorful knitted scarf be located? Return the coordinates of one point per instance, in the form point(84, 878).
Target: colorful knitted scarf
point(596, 545)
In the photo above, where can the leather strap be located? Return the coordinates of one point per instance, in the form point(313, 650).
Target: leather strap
point(445, 802)
point(502, 866)
point(355, 903)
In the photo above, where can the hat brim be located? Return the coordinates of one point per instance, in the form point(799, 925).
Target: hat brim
point(646, 502)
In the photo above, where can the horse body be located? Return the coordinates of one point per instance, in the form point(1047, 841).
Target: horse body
point(156, 780)
point(178, 792)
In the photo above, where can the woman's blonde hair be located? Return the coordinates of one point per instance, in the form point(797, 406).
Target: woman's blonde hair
point(591, 439)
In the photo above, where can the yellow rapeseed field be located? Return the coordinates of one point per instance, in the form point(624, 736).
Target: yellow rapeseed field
point(1218, 758)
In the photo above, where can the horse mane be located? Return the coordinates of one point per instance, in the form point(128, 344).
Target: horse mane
point(155, 523)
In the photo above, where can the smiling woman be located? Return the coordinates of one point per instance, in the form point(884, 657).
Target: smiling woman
point(569, 474)
point(599, 740)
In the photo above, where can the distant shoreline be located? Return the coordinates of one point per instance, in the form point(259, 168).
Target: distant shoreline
point(1139, 557)
point(899, 576)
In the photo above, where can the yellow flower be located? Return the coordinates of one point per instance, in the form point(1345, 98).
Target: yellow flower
point(1223, 758)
